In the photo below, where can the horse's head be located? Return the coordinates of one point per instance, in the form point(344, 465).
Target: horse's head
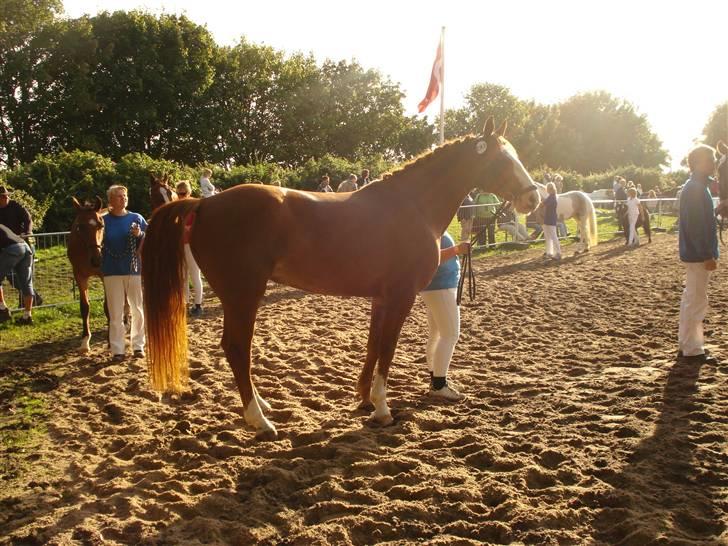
point(88, 230)
point(505, 174)
point(159, 190)
point(722, 169)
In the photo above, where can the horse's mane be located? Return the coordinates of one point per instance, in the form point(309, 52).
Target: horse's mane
point(425, 157)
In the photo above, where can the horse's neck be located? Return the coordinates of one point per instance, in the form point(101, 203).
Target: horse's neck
point(438, 185)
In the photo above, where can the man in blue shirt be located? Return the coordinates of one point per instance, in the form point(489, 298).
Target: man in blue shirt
point(698, 250)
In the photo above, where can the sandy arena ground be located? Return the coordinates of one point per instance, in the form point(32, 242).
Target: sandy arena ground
point(579, 427)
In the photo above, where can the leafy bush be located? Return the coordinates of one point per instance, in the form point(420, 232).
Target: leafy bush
point(246, 174)
point(53, 179)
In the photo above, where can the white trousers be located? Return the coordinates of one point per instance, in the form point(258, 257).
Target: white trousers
point(443, 320)
point(693, 307)
point(553, 247)
point(193, 272)
point(119, 288)
point(634, 237)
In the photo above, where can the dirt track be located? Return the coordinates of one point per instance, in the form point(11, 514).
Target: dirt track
point(578, 428)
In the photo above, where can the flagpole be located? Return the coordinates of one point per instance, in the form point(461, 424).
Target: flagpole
point(442, 87)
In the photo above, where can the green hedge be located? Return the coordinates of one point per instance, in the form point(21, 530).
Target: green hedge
point(649, 178)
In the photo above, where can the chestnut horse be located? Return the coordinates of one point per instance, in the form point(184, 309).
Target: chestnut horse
point(159, 191)
point(380, 242)
point(84, 253)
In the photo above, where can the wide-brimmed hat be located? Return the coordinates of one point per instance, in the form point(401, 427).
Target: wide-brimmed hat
point(4, 191)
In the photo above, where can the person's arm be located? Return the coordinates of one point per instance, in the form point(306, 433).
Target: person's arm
point(452, 251)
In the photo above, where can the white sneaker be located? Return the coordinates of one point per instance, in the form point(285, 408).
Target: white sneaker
point(447, 393)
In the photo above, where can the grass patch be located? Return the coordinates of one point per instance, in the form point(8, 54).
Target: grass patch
point(50, 324)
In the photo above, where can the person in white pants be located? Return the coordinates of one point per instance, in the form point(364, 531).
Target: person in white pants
point(553, 247)
point(633, 214)
point(121, 267)
point(698, 240)
point(443, 318)
point(184, 191)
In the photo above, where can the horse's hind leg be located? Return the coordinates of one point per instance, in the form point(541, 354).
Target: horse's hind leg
point(364, 385)
point(395, 315)
point(237, 339)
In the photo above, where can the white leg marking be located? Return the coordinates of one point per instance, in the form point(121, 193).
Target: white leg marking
point(264, 406)
point(255, 418)
point(85, 344)
point(379, 398)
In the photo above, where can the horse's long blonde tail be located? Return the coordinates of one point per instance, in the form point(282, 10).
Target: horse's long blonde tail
point(163, 277)
point(592, 223)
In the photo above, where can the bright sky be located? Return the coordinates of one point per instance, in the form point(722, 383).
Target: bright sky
point(663, 57)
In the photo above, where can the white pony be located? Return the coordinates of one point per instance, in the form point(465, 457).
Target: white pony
point(574, 204)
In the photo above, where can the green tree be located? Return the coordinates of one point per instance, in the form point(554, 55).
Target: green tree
point(717, 127)
point(146, 84)
point(20, 21)
point(597, 131)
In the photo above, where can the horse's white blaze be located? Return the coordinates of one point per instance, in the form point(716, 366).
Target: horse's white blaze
point(524, 179)
point(85, 344)
point(379, 398)
point(92, 222)
point(255, 418)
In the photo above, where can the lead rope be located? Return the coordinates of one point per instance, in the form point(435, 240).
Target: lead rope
point(466, 269)
point(467, 261)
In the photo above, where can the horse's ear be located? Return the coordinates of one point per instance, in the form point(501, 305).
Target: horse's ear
point(722, 147)
point(489, 126)
point(502, 129)
point(76, 204)
point(98, 204)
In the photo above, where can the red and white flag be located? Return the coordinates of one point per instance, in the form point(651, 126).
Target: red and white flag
point(435, 81)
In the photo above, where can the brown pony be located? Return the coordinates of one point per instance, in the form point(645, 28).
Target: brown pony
point(380, 242)
point(643, 221)
point(84, 253)
point(159, 191)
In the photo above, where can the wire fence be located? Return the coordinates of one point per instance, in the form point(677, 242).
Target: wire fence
point(53, 276)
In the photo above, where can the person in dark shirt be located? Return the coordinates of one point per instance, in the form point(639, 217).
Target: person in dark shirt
point(698, 243)
point(553, 247)
point(16, 256)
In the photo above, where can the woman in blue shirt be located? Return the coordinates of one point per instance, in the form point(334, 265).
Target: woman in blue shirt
point(121, 267)
point(443, 317)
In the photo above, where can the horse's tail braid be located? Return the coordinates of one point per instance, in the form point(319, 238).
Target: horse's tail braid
point(163, 277)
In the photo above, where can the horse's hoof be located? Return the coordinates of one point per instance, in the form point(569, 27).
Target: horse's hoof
point(381, 421)
point(84, 349)
point(365, 405)
point(266, 435)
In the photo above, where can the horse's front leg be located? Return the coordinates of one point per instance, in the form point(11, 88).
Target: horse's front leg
point(395, 314)
point(364, 385)
point(82, 283)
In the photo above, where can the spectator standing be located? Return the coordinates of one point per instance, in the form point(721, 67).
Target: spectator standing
point(443, 318)
point(121, 266)
point(558, 181)
point(633, 214)
point(639, 190)
point(324, 186)
point(484, 222)
point(364, 178)
point(465, 217)
point(620, 194)
point(698, 241)
point(207, 189)
point(184, 191)
point(348, 185)
point(553, 248)
point(16, 256)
